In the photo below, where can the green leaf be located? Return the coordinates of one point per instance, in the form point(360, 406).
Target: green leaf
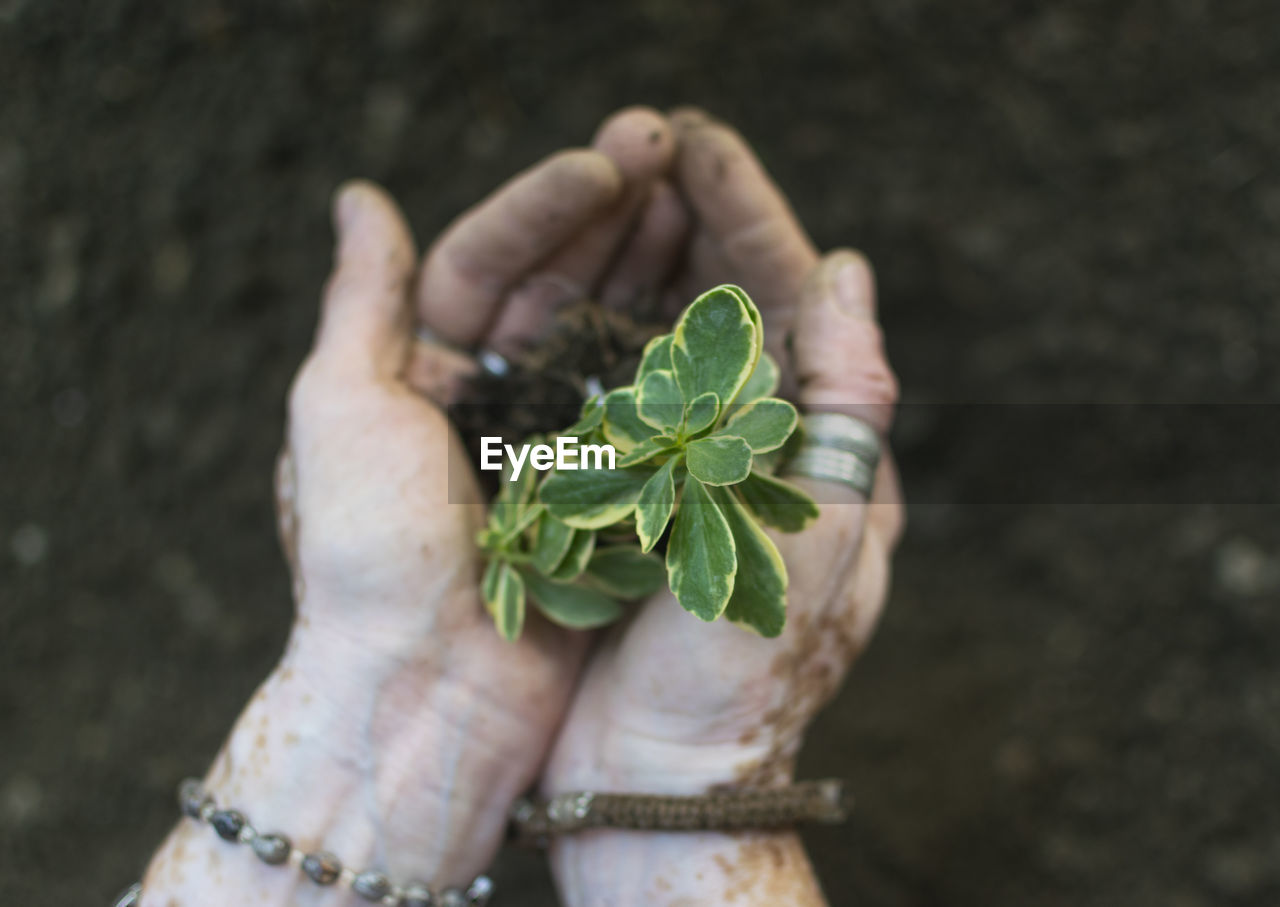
point(701, 414)
point(646, 450)
point(777, 503)
point(507, 605)
point(715, 346)
point(573, 606)
point(763, 381)
point(754, 313)
point(765, 424)
point(759, 599)
point(659, 402)
point(623, 571)
point(656, 356)
point(489, 539)
point(593, 498)
point(577, 557)
point(701, 560)
point(528, 515)
point(489, 586)
point(502, 515)
point(623, 427)
point(653, 509)
point(552, 543)
point(719, 460)
point(589, 421)
point(768, 462)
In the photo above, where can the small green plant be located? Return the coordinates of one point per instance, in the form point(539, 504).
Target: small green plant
point(698, 435)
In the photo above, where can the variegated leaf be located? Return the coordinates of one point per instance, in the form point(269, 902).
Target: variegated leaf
point(659, 402)
point(719, 460)
point(590, 419)
point(656, 356)
point(701, 560)
point(594, 498)
point(777, 503)
point(646, 450)
point(759, 599)
point(551, 544)
point(715, 346)
point(508, 602)
point(573, 606)
point(622, 426)
point(625, 572)
point(576, 558)
point(765, 424)
point(763, 381)
point(653, 509)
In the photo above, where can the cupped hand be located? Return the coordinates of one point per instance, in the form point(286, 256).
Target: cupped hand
point(398, 727)
point(378, 505)
point(671, 705)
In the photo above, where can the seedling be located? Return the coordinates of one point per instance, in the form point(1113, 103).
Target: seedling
point(698, 436)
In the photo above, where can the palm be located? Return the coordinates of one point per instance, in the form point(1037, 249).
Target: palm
point(724, 704)
point(659, 209)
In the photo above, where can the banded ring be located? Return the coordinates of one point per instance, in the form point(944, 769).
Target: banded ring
point(131, 897)
point(837, 448)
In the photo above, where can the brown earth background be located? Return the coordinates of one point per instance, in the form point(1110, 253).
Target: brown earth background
point(1073, 207)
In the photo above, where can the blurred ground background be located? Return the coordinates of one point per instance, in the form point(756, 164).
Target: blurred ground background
point(1075, 698)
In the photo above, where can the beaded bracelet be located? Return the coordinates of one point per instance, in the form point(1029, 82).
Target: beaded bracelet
point(321, 867)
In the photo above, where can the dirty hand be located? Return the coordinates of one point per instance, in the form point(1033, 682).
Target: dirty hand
point(398, 728)
point(668, 705)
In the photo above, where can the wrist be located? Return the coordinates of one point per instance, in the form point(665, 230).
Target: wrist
point(637, 869)
point(606, 746)
point(375, 759)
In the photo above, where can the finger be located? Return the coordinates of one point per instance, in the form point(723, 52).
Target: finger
point(640, 143)
point(490, 248)
point(745, 217)
point(838, 347)
point(437, 371)
point(704, 266)
point(869, 585)
point(364, 314)
point(841, 367)
point(651, 253)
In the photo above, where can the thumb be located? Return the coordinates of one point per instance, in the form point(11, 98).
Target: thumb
point(364, 322)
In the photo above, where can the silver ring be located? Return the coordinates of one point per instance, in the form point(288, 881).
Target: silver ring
point(131, 897)
point(490, 361)
point(842, 433)
point(837, 448)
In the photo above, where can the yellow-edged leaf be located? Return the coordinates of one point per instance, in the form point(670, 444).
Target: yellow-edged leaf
point(701, 559)
point(719, 460)
point(715, 346)
point(759, 599)
point(765, 424)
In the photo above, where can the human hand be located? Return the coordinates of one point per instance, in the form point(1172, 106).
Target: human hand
point(668, 705)
point(399, 727)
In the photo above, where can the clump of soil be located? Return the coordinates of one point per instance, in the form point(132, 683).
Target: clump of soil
point(587, 348)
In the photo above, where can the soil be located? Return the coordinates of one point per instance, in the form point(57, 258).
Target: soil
point(588, 349)
point(1074, 697)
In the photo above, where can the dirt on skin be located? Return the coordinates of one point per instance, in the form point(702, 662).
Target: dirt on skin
point(1074, 697)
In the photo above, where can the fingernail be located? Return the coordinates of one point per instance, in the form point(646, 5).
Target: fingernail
point(853, 289)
